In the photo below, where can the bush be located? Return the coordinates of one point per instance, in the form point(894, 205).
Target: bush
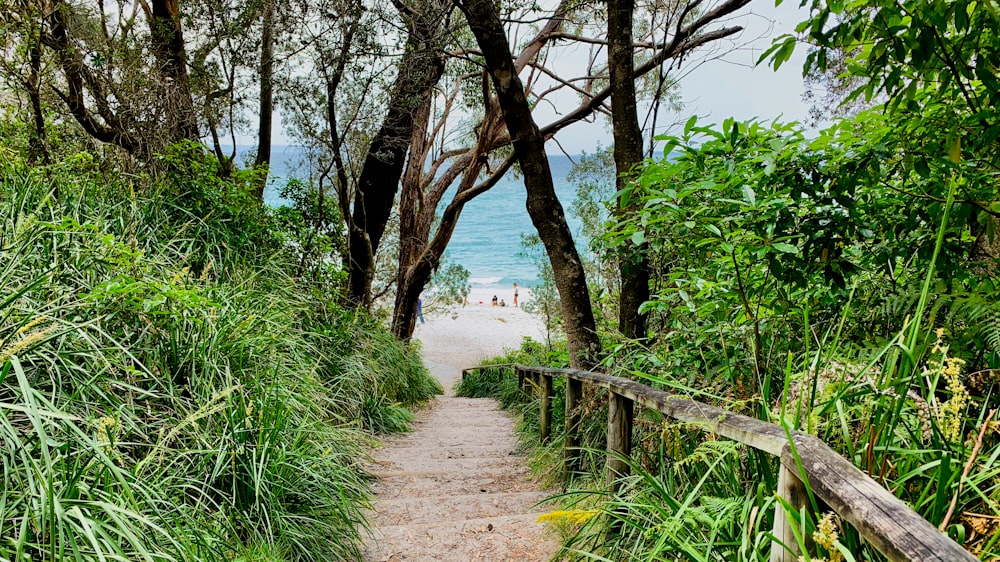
point(168, 388)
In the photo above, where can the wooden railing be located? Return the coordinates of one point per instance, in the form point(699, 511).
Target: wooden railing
point(882, 519)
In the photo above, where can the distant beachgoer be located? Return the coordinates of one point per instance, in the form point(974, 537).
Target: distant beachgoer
point(494, 300)
point(515, 294)
point(420, 310)
point(502, 303)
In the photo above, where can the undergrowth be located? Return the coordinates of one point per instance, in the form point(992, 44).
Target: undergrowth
point(693, 496)
point(170, 387)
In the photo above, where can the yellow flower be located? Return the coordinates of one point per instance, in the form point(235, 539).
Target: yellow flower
point(574, 516)
point(25, 342)
point(826, 535)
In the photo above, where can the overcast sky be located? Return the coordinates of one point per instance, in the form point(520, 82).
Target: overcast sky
point(729, 86)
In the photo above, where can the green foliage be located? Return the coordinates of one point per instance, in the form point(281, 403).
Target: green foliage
point(593, 175)
point(544, 296)
point(316, 232)
point(842, 285)
point(170, 390)
point(449, 285)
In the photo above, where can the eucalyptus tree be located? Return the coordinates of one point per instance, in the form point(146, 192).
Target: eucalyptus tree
point(557, 76)
point(124, 84)
point(543, 206)
point(440, 155)
point(634, 265)
point(419, 70)
point(244, 48)
point(223, 58)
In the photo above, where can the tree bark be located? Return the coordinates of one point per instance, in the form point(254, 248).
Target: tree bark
point(167, 44)
point(420, 254)
point(634, 267)
point(266, 111)
point(37, 149)
point(543, 206)
point(420, 69)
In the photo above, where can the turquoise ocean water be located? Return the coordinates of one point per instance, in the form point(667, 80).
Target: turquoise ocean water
point(487, 240)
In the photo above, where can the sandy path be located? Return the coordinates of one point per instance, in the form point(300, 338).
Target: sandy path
point(455, 489)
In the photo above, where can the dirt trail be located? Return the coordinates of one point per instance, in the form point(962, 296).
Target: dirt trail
point(455, 489)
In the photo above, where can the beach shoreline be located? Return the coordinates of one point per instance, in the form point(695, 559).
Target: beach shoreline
point(465, 335)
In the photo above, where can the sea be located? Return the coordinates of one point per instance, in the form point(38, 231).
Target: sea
point(488, 238)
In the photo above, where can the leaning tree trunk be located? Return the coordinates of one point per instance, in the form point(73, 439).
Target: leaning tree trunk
point(263, 160)
point(543, 206)
point(634, 264)
point(413, 274)
point(420, 69)
point(423, 189)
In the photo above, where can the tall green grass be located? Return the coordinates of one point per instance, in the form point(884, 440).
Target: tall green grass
point(907, 416)
point(169, 390)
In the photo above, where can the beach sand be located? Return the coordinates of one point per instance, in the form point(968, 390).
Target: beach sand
point(461, 336)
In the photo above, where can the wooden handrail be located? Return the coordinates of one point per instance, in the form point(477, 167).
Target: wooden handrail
point(882, 519)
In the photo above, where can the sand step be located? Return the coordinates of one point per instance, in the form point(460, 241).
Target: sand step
point(428, 509)
point(458, 465)
point(443, 451)
point(405, 486)
point(513, 537)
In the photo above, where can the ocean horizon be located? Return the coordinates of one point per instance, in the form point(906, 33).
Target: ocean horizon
point(488, 237)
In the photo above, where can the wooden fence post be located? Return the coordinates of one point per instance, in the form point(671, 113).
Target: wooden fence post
point(574, 415)
point(545, 412)
point(619, 436)
point(619, 445)
point(793, 491)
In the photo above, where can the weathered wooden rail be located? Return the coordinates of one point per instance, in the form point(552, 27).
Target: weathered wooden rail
point(882, 519)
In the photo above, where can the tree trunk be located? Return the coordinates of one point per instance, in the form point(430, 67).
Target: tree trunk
point(634, 265)
point(420, 265)
point(413, 228)
point(420, 69)
point(543, 206)
point(167, 44)
point(108, 128)
point(265, 117)
point(37, 149)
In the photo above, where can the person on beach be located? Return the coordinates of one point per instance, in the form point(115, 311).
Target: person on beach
point(515, 294)
point(420, 310)
point(502, 303)
point(494, 300)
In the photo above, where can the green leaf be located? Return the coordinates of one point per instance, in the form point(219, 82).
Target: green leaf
point(749, 195)
point(955, 150)
point(638, 237)
point(690, 124)
point(785, 248)
point(783, 53)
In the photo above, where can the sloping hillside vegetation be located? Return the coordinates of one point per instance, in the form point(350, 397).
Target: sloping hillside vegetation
point(175, 384)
